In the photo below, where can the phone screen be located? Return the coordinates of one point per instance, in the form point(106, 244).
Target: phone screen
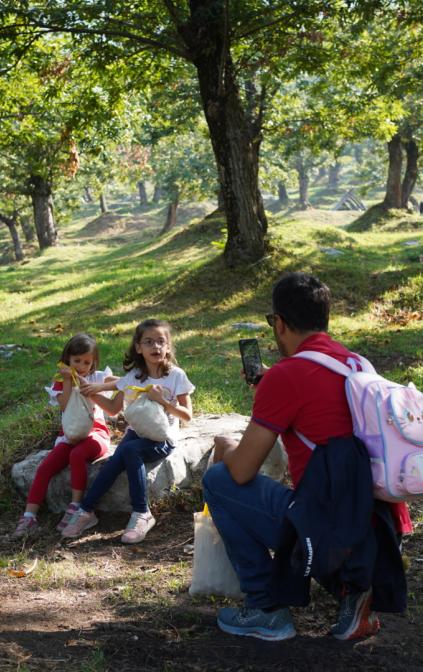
point(251, 360)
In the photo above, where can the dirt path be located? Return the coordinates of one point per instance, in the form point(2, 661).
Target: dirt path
point(93, 605)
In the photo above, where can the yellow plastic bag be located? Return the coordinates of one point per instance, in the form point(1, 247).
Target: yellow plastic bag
point(212, 572)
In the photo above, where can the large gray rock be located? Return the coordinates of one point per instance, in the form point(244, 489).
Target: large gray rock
point(188, 461)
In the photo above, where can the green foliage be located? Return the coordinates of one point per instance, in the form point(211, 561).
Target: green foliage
point(183, 165)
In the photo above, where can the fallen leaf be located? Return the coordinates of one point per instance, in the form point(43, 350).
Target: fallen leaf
point(24, 571)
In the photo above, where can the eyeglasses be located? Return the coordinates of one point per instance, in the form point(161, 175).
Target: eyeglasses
point(150, 342)
point(270, 317)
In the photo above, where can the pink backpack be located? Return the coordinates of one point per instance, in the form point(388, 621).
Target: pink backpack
point(388, 418)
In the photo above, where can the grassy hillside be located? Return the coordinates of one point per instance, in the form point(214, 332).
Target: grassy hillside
point(95, 605)
point(110, 272)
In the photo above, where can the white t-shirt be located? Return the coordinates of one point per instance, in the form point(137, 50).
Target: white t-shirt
point(96, 377)
point(174, 384)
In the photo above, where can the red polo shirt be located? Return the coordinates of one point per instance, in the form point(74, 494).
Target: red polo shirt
point(305, 396)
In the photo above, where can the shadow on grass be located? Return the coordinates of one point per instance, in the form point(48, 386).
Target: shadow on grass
point(158, 276)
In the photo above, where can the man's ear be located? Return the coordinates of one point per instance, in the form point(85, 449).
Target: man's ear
point(280, 325)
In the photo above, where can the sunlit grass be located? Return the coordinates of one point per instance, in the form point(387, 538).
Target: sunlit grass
point(106, 284)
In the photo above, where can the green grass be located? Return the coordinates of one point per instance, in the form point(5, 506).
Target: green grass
point(105, 282)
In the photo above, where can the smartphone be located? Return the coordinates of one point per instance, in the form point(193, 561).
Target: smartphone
point(251, 360)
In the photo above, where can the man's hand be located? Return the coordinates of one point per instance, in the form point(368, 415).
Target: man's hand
point(245, 459)
point(261, 373)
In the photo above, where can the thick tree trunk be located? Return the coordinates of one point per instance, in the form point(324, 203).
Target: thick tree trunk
point(236, 152)
point(220, 200)
point(411, 171)
point(142, 193)
point(283, 194)
point(103, 203)
point(333, 176)
point(157, 194)
point(393, 197)
point(171, 216)
point(42, 202)
point(11, 223)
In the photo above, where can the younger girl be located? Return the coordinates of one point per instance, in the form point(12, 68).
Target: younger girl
point(81, 354)
point(150, 360)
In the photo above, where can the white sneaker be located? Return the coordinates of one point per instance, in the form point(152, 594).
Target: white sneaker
point(138, 526)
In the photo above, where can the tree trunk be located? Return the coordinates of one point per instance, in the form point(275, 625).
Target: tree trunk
point(393, 185)
point(322, 172)
point(12, 226)
point(157, 194)
point(88, 195)
point(220, 200)
point(358, 154)
point(103, 203)
point(333, 177)
point(27, 229)
point(142, 193)
point(236, 152)
point(171, 216)
point(411, 171)
point(303, 184)
point(42, 202)
point(283, 194)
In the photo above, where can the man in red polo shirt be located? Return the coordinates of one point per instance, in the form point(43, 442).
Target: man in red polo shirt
point(306, 404)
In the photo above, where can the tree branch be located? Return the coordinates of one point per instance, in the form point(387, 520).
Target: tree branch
point(123, 34)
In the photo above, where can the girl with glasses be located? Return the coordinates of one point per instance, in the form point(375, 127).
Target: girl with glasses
point(150, 360)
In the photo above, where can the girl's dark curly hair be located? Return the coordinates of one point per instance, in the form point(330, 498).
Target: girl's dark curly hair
point(133, 359)
point(80, 344)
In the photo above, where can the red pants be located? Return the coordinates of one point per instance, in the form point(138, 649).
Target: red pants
point(60, 456)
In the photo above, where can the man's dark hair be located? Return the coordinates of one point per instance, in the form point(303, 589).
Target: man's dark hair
point(302, 301)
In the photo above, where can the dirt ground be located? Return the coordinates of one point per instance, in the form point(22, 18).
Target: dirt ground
point(93, 605)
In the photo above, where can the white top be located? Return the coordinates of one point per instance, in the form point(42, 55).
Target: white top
point(96, 377)
point(174, 384)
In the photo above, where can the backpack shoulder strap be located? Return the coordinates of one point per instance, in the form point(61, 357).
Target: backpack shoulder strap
point(325, 360)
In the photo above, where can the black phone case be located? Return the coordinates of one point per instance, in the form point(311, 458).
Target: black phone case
point(251, 359)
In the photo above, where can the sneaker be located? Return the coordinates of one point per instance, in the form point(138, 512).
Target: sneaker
point(26, 526)
point(80, 521)
point(273, 625)
point(355, 619)
point(138, 526)
point(70, 511)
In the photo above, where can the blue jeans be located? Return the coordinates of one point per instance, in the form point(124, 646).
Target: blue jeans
point(249, 519)
point(131, 455)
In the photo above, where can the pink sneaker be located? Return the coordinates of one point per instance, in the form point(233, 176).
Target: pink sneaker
point(138, 526)
point(69, 513)
point(80, 521)
point(26, 526)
